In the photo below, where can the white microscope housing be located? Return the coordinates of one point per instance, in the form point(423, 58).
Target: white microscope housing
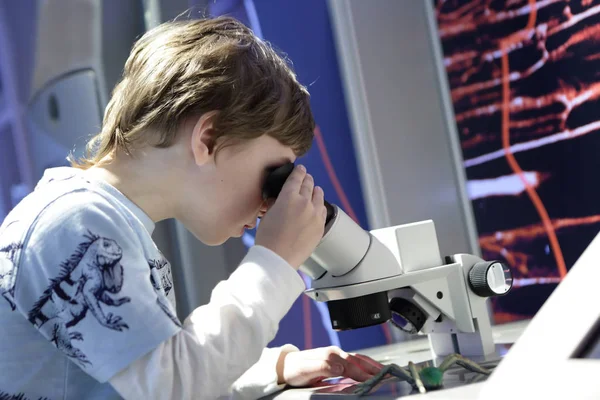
point(397, 273)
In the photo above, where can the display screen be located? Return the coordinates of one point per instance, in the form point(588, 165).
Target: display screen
point(524, 80)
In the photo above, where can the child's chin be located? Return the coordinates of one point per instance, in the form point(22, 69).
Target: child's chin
point(219, 242)
point(214, 241)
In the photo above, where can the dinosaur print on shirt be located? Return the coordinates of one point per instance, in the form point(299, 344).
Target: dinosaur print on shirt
point(87, 280)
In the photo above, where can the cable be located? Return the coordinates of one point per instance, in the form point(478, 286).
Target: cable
point(535, 199)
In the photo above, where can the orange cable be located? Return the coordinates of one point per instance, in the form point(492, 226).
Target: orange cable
point(537, 202)
point(333, 176)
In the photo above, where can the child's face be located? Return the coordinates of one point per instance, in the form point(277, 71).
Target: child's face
point(230, 189)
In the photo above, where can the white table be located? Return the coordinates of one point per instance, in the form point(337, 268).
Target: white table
point(416, 350)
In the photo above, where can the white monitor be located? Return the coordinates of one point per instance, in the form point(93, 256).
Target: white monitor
point(558, 354)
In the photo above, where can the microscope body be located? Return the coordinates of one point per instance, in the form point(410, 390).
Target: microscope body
point(398, 274)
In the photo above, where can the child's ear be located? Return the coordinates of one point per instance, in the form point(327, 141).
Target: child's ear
point(203, 138)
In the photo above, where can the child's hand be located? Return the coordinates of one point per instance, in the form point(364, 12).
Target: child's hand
point(294, 225)
point(304, 368)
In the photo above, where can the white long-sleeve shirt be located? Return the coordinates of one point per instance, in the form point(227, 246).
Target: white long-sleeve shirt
point(88, 306)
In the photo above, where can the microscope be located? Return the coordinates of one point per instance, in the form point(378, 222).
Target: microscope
point(397, 273)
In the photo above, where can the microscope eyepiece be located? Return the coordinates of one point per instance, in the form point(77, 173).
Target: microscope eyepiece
point(275, 181)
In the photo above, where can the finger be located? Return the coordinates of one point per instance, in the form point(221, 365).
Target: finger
point(294, 181)
point(351, 370)
point(313, 370)
point(318, 196)
point(332, 369)
point(365, 363)
point(368, 360)
point(306, 190)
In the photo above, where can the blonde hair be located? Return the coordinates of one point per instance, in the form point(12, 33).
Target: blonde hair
point(184, 69)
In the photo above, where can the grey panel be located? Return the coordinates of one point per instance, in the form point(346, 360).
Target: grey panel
point(80, 49)
point(69, 109)
point(172, 9)
point(122, 24)
point(401, 124)
point(68, 39)
point(158, 11)
point(82, 34)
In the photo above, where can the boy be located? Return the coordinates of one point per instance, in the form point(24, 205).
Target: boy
point(203, 110)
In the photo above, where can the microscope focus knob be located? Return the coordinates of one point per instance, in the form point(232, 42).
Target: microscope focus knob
point(491, 278)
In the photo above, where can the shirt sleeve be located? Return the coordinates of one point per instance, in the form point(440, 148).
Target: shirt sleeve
point(261, 379)
point(222, 340)
point(85, 285)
